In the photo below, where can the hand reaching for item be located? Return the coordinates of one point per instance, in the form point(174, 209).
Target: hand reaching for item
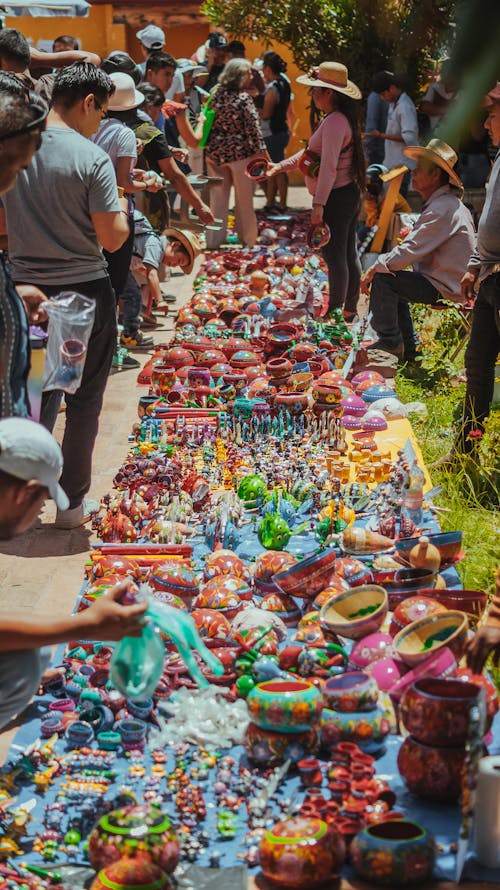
point(205, 215)
point(32, 298)
point(108, 619)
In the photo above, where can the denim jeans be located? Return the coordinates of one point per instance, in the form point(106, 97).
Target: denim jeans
point(341, 253)
point(84, 406)
point(132, 305)
point(480, 358)
point(391, 317)
point(119, 262)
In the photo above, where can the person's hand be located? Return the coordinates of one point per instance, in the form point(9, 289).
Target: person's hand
point(487, 639)
point(205, 215)
point(32, 298)
point(107, 619)
point(317, 214)
point(374, 134)
point(366, 280)
point(468, 284)
point(180, 154)
point(139, 146)
point(272, 170)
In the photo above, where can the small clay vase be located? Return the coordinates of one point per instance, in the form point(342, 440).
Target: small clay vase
point(424, 555)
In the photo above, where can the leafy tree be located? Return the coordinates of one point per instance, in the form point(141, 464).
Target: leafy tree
point(366, 35)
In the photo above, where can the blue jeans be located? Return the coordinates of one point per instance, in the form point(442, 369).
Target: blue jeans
point(480, 358)
point(132, 304)
point(391, 317)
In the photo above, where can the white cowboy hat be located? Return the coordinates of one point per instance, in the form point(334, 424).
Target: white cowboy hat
point(439, 153)
point(125, 96)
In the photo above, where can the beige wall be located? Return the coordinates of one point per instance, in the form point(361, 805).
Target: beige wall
point(97, 32)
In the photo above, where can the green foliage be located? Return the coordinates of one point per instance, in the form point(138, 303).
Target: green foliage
point(366, 35)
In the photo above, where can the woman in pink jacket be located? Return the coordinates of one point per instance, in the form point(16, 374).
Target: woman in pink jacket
point(335, 178)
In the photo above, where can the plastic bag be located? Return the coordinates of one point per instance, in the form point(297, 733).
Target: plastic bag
point(71, 317)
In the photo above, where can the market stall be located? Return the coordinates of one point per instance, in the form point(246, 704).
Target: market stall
point(305, 615)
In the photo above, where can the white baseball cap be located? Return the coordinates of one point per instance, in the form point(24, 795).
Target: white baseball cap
point(29, 451)
point(152, 37)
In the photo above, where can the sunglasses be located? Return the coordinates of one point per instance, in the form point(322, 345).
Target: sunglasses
point(34, 126)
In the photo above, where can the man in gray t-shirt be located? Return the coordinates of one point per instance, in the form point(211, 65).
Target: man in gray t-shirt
point(63, 209)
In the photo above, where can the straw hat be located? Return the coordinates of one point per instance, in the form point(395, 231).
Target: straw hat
point(333, 76)
point(188, 240)
point(125, 96)
point(439, 153)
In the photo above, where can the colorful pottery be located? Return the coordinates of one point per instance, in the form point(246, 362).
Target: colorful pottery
point(177, 578)
point(412, 609)
point(395, 853)
point(418, 640)
point(387, 672)
point(285, 705)
point(301, 853)
point(352, 691)
point(225, 562)
point(367, 729)
point(431, 772)
point(363, 541)
point(447, 543)
point(119, 832)
point(269, 564)
point(306, 578)
point(133, 872)
point(370, 649)
point(281, 605)
point(210, 624)
point(472, 602)
point(441, 664)
point(356, 613)
point(267, 748)
point(352, 570)
point(492, 703)
point(437, 712)
point(228, 584)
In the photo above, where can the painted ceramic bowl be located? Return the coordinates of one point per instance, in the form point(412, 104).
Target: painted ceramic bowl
point(301, 853)
point(356, 613)
point(118, 831)
point(367, 729)
point(352, 691)
point(210, 624)
point(175, 577)
point(394, 853)
point(294, 402)
point(283, 606)
point(465, 674)
point(421, 638)
point(131, 872)
point(225, 562)
point(336, 585)
point(229, 584)
point(381, 391)
point(431, 772)
point(353, 405)
point(449, 545)
point(387, 672)
point(374, 421)
point(306, 578)
point(354, 571)
point(371, 648)
point(269, 564)
point(177, 357)
point(285, 705)
point(228, 604)
point(441, 664)
point(472, 602)
point(267, 748)
point(412, 609)
point(244, 358)
point(437, 712)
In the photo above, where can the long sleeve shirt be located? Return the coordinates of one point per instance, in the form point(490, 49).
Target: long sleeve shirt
point(376, 119)
point(438, 245)
point(331, 142)
point(401, 121)
point(486, 257)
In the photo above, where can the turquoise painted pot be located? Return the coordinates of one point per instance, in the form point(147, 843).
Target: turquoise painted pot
point(393, 853)
point(285, 705)
point(367, 729)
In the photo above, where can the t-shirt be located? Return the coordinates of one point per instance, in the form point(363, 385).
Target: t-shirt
point(401, 120)
point(117, 140)
point(147, 244)
point(51, 236)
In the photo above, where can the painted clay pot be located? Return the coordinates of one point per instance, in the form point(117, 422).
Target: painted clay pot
point(278, 368)
point(441, 664)
point(354, 571)
point(421, 638)
point(132, 872)
point(268, 564)
point(301, 853)
point(412, 609)
point(447, 543)
point(356, 613)
point(267, 748)
point(371, 648)
point(162, 378)
point(367, 729)
point(177, 578)
point(308, 576)
point(118, 831)
point(431, 772)
point(472, 602)
point(283, 606)
point(210, 624)
point(225, 562)
point(294, 402)
point(394, 853)
point(231, 584)
point(465, 675)
point(285, 705)
point(437, 712)
point(352, 691)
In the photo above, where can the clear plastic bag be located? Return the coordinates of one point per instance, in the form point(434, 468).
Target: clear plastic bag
point(71, 317)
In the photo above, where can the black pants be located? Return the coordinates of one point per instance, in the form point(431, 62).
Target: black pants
point(119, 262)
point(341, 253)
point(480, 359)
point(390, 296)
point(84, 407)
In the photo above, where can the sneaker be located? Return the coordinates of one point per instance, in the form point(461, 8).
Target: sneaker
point(76, 516)
point(381, 346)
point(122, 360)
point(136, 341)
